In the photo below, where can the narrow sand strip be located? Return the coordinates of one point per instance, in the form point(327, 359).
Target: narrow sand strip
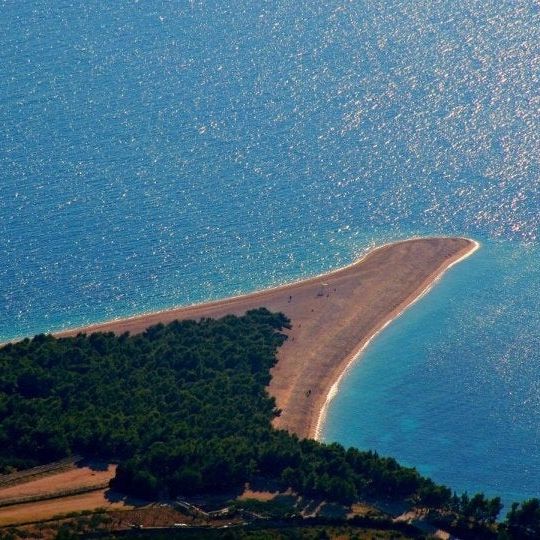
point(316, 433)
point(334, 317)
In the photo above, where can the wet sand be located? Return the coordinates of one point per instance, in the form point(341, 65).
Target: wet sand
point(333, 316)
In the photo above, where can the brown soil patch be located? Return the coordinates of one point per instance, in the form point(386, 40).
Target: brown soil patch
point(74, 478)
point(154, 515)
point(44, 510)
point(263, 496)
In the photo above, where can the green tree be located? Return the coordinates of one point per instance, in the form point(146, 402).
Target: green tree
point(523, 520)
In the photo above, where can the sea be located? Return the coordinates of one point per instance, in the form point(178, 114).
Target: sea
point(160, 153)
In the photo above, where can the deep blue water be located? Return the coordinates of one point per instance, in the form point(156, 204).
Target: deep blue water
point(161, 153)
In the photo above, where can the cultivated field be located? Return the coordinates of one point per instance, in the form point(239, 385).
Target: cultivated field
point(77, 477)
point(45, 510)
point(73, 490)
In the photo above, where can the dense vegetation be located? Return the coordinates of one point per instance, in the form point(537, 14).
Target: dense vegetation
point(184, 410)
point(289, 530)
point(189, 392)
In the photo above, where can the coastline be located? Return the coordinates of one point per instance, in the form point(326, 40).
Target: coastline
point(334, 317)
point(315, 431)
point(117, 322)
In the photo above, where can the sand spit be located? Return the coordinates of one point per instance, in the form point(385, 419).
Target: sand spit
point(334, 317)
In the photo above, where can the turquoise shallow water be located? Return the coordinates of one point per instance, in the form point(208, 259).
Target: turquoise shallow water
point(161, 153)
point(452, 386)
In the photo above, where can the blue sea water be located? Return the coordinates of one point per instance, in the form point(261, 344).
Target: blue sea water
point(162, 153)
point(452, 387)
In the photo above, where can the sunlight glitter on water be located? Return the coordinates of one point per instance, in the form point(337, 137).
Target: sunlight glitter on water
point(160, 156)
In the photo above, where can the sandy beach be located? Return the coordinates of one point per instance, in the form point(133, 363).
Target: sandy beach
point(334, 316)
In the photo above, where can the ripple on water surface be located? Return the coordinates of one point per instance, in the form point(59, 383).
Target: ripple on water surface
point(155, 155)
point(452, 387)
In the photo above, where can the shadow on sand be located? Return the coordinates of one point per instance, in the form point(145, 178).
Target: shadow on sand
point(116, 497)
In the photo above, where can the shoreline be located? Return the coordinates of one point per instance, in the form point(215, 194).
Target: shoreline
point(334, 316)
point(96, 327)
point(99, 325)
point(316, 432)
